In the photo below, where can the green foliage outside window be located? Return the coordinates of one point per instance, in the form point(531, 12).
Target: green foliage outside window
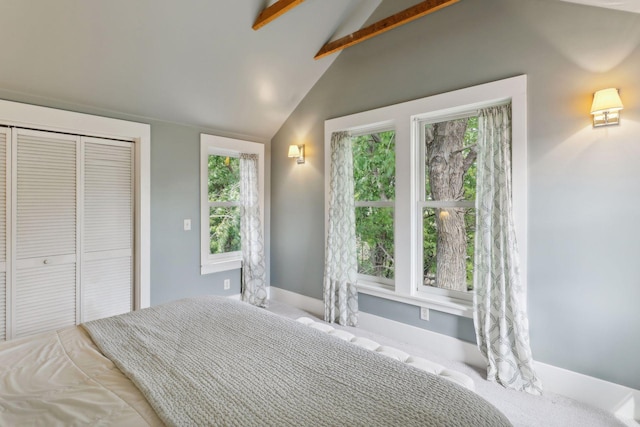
point(374, 173)
point(448, 232)
point(224, 221)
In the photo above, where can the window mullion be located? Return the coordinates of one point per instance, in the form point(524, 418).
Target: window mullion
point(403, 211)
point(417, 228)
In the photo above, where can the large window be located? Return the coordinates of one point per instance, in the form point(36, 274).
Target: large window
point(220, 200)
point(415, 193)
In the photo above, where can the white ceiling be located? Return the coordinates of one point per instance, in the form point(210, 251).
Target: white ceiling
point(196, 62)
point(189, 61)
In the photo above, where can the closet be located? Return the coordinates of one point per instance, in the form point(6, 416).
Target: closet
point(66, 230)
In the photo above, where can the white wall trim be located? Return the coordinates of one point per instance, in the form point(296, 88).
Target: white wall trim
point(442, 303)
point(51, 119)
point(620, 400)
point(303, 302)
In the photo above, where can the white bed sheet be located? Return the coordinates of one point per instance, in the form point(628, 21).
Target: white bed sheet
point(61, 378)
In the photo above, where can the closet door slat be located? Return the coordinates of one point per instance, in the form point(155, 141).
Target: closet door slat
point(107, 267)
point(46, 195)
point(106, 287)
point(4, 143)
point(3, 306)
point(45, 299)
point(46, 231)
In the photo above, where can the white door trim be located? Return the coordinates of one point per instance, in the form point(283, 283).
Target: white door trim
point(50, 119)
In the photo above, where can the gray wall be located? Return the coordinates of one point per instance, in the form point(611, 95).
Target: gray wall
point(584, 201)
point(175, 196)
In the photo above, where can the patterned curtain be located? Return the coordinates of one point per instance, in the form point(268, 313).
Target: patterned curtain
point(500, 315)
point(253, 264)
point(341, 264)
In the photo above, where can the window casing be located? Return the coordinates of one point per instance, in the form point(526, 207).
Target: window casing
point(408, 120)
point(219, 208)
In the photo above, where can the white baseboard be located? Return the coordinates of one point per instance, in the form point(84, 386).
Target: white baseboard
point(303, 302)
point(623, 401)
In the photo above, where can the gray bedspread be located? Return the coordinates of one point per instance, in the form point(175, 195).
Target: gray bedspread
point(215, 361)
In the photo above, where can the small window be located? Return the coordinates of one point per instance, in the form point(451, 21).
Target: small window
point(374, 170)
point(224, 204)
point(221, 244)
point(447, 206)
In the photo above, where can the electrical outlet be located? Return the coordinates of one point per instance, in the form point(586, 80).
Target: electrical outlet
point(187, 224)
point(424, 313)
point(227, 284)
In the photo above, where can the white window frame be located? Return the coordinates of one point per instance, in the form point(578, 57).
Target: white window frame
point(221, 146)
point(421, 203)
point(405, 118)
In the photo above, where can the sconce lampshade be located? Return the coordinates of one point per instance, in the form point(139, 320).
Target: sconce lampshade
point(606, 107)
point(606, 100)
point(297, 151)
point(294, 151)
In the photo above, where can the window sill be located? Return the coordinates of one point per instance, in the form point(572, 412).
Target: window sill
point(445, 304)
point(218, 266)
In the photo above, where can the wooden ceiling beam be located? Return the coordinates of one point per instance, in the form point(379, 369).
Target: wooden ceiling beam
point(272, 12)
point(414, 12)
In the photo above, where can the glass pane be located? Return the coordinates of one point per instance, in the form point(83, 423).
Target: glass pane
point(374, 240)
point(450, 159)
point(224, 229)
point(374, 166)
point(448, 247)
point(224, 179)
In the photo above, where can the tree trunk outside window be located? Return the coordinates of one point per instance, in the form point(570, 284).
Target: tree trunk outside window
point(446, 166)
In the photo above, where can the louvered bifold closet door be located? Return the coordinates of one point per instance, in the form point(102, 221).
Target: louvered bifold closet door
point(5, 142)
point(46, 231)
point(107, 244)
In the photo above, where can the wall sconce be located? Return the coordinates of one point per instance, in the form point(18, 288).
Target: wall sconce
point(297, 151)
point(606, 107)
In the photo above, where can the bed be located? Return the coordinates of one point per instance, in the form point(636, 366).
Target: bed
point(216, 361)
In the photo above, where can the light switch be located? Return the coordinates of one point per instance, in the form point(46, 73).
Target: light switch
point(187, 224)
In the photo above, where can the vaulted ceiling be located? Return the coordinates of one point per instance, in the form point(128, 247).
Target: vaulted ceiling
point(191, 61)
